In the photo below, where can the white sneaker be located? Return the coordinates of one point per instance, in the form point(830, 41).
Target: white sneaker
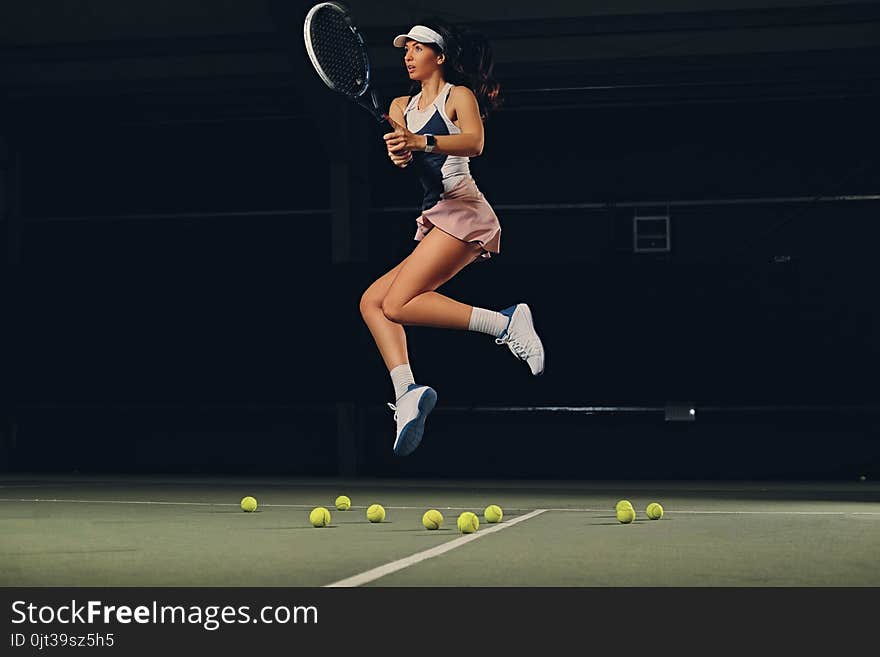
point(521, 338)
point(411, 412)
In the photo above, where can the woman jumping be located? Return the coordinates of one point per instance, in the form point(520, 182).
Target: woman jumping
point(437, 130)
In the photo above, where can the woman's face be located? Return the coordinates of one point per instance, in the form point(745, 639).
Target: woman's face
point(421, 61)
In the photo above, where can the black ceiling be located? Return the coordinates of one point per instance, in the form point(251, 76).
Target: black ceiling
point(549, 52)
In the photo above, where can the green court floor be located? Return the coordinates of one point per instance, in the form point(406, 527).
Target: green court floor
point(188, 531)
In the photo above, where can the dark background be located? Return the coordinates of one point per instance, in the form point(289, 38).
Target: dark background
point(190, 218)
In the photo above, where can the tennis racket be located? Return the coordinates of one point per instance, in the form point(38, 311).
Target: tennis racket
point(340, 57)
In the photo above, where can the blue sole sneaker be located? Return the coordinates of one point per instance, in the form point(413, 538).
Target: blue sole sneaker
point(522, 339)
point(411, 411)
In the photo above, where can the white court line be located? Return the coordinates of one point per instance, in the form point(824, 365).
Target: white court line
point(400, 564)
point(452, 508)
point(236, 504)
point(36, 485)
point(63, 501)
point(748, 513)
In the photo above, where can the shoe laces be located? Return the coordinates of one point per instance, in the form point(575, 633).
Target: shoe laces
point(393, 408)
point(520, 350)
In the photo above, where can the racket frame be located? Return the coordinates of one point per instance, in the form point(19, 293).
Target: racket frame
point(373, 106)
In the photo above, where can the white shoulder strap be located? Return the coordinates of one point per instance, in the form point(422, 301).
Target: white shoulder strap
point(413, 102)
point(443, 96)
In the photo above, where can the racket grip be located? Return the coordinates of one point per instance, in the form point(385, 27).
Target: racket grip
point(387, 119)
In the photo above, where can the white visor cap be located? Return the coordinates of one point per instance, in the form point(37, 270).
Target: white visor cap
point(421, 34)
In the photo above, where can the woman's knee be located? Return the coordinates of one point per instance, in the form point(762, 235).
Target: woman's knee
point(393, 310)
point(371, 302)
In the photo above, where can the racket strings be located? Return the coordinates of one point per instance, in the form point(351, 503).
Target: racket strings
point(339, 51)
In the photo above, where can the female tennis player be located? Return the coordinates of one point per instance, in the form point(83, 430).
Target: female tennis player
point(437, 130)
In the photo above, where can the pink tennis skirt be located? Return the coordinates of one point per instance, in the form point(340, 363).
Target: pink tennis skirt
point(464, 212)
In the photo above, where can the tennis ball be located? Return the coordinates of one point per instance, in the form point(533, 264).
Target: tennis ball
point(432, 519)
point(376, 513)
point(623, 503)
point(493, 513)
point(319, 517)
point(626, 514)
point(343, 503)
point(654, 511)
point(468, 522)
point(248, 504)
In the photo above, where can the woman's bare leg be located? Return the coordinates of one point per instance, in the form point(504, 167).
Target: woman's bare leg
point(411, 300)
point(389, 336)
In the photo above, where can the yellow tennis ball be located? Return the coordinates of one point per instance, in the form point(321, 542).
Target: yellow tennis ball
point(343, 503)
point(623, 503)
point(654, 511)
point(248, 504)
point(468, 522)
point(626, 514)
point(376, 513)
point(493, 513)
point(319, 517)
point(432, 519)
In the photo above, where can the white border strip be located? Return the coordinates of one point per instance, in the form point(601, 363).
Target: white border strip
point(400, 564)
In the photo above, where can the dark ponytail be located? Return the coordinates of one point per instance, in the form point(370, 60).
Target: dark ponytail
point(469, 62)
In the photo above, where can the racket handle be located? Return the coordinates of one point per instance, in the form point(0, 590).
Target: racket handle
point(387, 119)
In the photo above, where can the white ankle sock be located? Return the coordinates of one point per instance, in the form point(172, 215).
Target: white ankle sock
point(490, 322)
point(401, 377)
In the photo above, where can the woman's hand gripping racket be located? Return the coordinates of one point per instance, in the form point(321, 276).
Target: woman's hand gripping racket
point(340, 58)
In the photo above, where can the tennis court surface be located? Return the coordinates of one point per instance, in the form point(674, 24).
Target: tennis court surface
point(191, 531)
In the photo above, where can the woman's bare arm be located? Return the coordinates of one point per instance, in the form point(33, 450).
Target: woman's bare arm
point(468, 144)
